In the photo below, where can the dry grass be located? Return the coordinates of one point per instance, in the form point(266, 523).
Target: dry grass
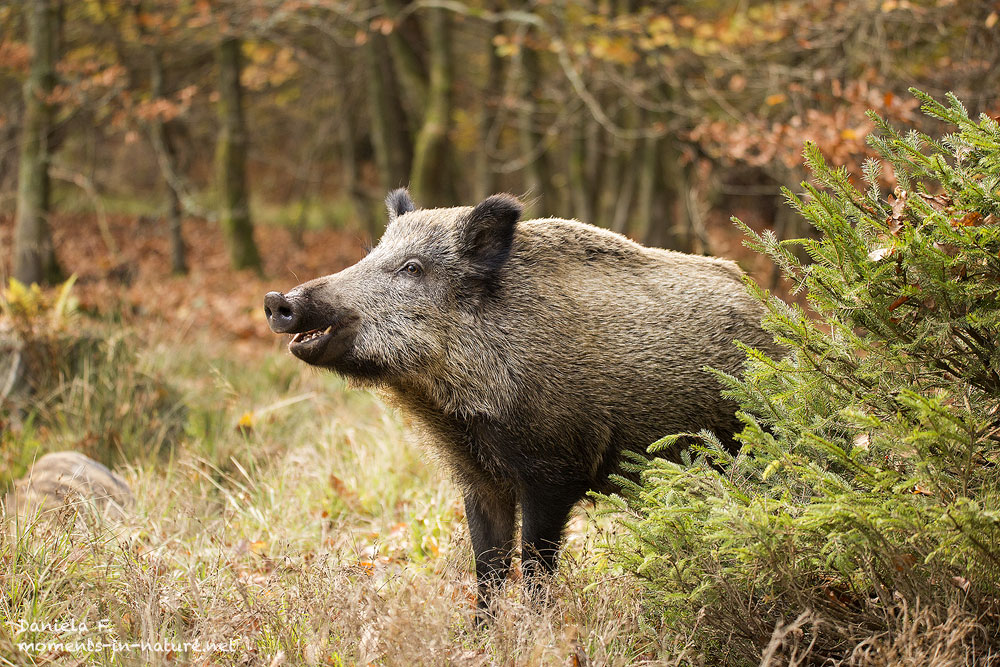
point(919, 638)
point(286, 514)
point(315, 533)
point(296, 521)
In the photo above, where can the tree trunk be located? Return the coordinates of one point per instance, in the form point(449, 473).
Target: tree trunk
point(646, 195)
point(231, 159)
point(693, 212)
point(624, 196)
point(624, 202)
point(429, 180)
point(178, 256)
point(34, 255)
point(163, 145)
point(607, 184)
point(410, 69)
point(389, 132)
point(579, 186)
point(380, 131)
point(530, 140)
point(485, 179)
point(594, 145)
point(666, 229)
point(352, 184)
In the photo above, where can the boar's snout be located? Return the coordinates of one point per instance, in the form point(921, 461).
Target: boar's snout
point(323, 328)
point(282, 314)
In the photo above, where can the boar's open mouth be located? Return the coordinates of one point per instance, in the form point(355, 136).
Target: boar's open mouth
point(326, 345)
point(311, 335)
point(310, 338)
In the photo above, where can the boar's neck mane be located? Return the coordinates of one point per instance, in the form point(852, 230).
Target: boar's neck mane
point(472, 380)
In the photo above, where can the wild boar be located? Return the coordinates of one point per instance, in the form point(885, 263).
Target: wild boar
point(532, 354)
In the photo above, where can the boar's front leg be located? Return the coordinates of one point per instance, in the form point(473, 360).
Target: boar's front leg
point(544, 512)
point(490, 513)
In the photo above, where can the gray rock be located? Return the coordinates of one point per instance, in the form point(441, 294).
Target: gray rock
point(62, 478)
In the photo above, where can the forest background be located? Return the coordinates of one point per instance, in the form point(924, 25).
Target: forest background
point(176, 160)
point(658, 120)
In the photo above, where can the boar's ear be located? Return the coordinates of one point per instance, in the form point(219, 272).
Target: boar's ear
point(399, 202)
point(486, 234)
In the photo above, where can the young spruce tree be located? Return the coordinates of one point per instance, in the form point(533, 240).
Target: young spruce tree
point(861, 521)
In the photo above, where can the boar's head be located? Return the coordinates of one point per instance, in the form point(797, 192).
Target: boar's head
point(392, 314)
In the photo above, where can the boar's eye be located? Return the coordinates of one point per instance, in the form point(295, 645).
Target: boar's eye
point(412, 268)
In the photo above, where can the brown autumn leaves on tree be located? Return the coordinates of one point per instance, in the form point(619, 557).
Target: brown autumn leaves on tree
point(652, 119)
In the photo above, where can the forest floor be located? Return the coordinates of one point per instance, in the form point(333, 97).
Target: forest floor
point(278, 512)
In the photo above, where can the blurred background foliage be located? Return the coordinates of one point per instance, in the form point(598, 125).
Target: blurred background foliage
point(226, 139)
point(656, 119)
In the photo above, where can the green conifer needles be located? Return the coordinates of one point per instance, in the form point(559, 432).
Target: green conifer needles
point(867, 495)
